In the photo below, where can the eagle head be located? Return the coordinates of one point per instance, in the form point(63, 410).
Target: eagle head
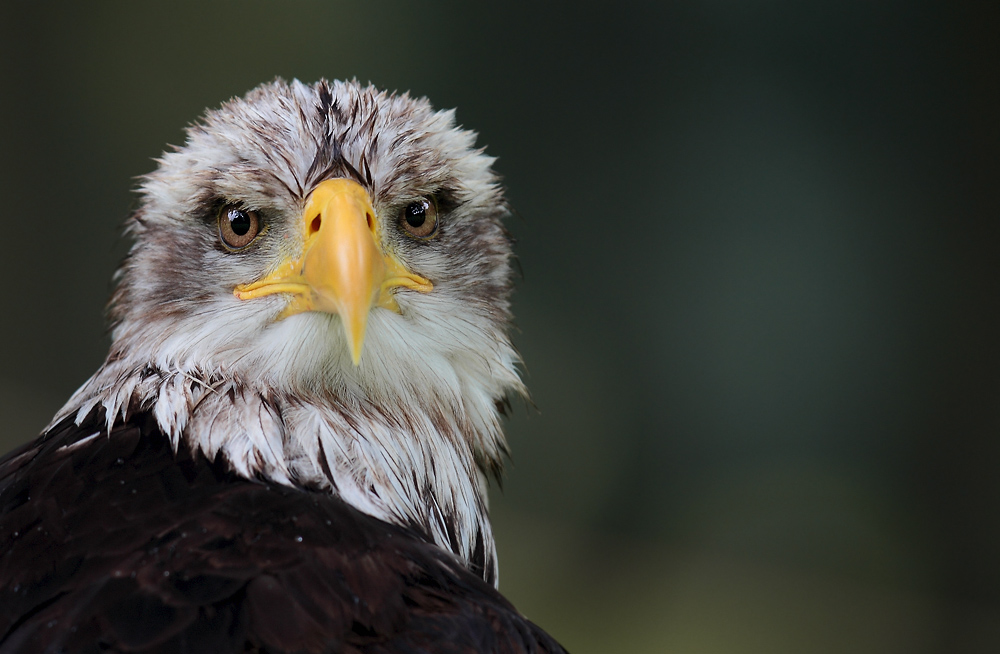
point(318, 294)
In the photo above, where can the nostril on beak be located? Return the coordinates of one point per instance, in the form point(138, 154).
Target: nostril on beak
point(315, 225)
point(371, 221)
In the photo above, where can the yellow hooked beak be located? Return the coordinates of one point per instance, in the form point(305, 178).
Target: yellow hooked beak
point(342, 268)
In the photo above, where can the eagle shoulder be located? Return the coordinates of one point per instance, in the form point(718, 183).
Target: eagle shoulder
point(114, 542)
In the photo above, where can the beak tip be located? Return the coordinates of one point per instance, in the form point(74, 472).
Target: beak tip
point(354, 330)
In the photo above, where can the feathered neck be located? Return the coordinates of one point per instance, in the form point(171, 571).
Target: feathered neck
point(406, 462)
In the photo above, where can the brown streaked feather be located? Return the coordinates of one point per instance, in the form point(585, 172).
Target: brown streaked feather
point(118, 544)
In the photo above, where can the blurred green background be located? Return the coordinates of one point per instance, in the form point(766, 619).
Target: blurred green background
point(759, 244)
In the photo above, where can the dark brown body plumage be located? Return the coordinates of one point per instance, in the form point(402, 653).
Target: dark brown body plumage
point(120, 545)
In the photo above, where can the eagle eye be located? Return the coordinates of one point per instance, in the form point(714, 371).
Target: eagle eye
point(238, 227)
point(420, 219)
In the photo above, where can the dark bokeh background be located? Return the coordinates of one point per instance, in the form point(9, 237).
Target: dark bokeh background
point(759, 302)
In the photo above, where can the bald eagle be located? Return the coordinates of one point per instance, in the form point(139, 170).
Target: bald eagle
point(287, 448)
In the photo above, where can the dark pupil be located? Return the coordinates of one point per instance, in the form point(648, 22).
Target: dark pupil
point(239, 222)
point(416, 214)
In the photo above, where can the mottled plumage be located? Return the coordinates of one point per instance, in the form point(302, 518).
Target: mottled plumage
point(242, 474)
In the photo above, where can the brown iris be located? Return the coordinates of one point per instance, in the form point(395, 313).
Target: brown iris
point(238, 227)
point(420, 219)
